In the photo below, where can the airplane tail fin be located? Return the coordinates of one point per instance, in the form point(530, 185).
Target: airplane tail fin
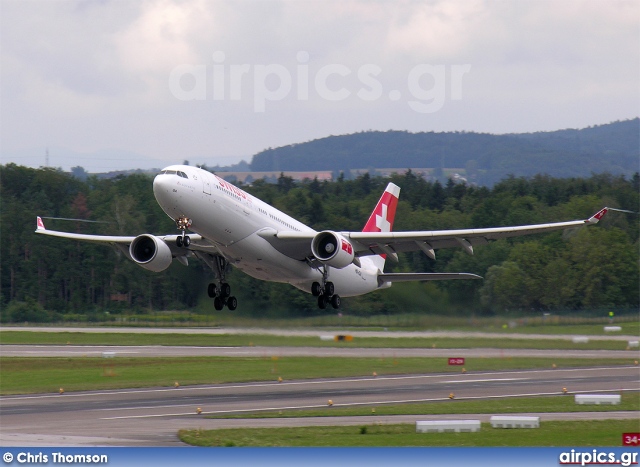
point(381, 219)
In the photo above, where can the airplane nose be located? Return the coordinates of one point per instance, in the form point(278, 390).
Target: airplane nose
point(157, 182)
point(161, 189)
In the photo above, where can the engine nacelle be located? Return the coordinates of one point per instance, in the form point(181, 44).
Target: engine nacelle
point(332, 249)
point(150, 252)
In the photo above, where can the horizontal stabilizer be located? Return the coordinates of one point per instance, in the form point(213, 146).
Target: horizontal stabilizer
point(424, 276)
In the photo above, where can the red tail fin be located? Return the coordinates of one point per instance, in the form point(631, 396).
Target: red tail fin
point(381, 219)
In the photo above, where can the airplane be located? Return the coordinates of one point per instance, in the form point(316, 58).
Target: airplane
point(229, 227)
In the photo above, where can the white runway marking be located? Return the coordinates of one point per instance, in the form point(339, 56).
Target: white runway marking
point(483, 380)
point(354, 404)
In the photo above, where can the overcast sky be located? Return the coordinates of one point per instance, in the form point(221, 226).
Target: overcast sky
point(122, 84)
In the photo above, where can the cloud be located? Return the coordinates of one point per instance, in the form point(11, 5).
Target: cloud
point(437, 31)
point(94, 75)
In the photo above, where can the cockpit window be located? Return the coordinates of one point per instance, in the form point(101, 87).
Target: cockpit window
point(174, 172)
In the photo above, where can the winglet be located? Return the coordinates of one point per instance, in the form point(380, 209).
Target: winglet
point(40, 224)
point(597, 216)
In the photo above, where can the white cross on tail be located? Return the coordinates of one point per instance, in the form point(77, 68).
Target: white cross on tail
point(381, 221)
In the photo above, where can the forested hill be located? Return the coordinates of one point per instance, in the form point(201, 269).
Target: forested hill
point(486, 158)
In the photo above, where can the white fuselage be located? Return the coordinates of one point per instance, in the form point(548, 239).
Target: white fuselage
point(230, 219)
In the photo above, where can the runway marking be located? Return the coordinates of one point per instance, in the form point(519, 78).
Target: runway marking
point(483, 380)
point(353, 404)
point(144, 407)
point(317, 382)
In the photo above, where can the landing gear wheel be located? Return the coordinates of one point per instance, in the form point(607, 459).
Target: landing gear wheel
point(179, 242)
point(218, 303)
point(220, 291)
point(186, 241)
point(325, 291)
point(329, 289)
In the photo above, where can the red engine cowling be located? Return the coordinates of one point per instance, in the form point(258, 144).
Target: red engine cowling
point(332, 249)
point(150, 252)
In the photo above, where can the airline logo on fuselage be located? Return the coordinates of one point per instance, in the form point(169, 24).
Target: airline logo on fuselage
point(232, 188)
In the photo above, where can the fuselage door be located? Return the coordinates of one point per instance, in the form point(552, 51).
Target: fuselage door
point(206, 185)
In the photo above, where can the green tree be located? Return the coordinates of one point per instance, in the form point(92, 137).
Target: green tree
point(504, 288)
point(606, 267)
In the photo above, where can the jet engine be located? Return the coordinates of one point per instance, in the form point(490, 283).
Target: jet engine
point(150, 252)
point(332, 249)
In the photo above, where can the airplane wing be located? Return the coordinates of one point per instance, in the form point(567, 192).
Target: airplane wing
point(375, 243)
point(198, 244)
point(84, 237)
point(298, 244)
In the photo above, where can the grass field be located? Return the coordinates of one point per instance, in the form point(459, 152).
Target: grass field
point(28, 375)
point(577, 323)
point(552, 433)
point(263, 340)
point(563, 323)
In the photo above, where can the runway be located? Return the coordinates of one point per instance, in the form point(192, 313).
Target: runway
point(257, 351)
point(152, 417)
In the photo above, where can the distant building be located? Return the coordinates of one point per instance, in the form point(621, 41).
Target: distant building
point(251, 176)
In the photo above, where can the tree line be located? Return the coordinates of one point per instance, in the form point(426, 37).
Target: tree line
point(44, 278)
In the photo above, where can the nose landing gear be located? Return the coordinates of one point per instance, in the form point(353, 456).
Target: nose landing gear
point(183, 224)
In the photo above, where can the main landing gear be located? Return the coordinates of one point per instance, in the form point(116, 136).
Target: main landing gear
point(325, 293)
point(221, 294)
